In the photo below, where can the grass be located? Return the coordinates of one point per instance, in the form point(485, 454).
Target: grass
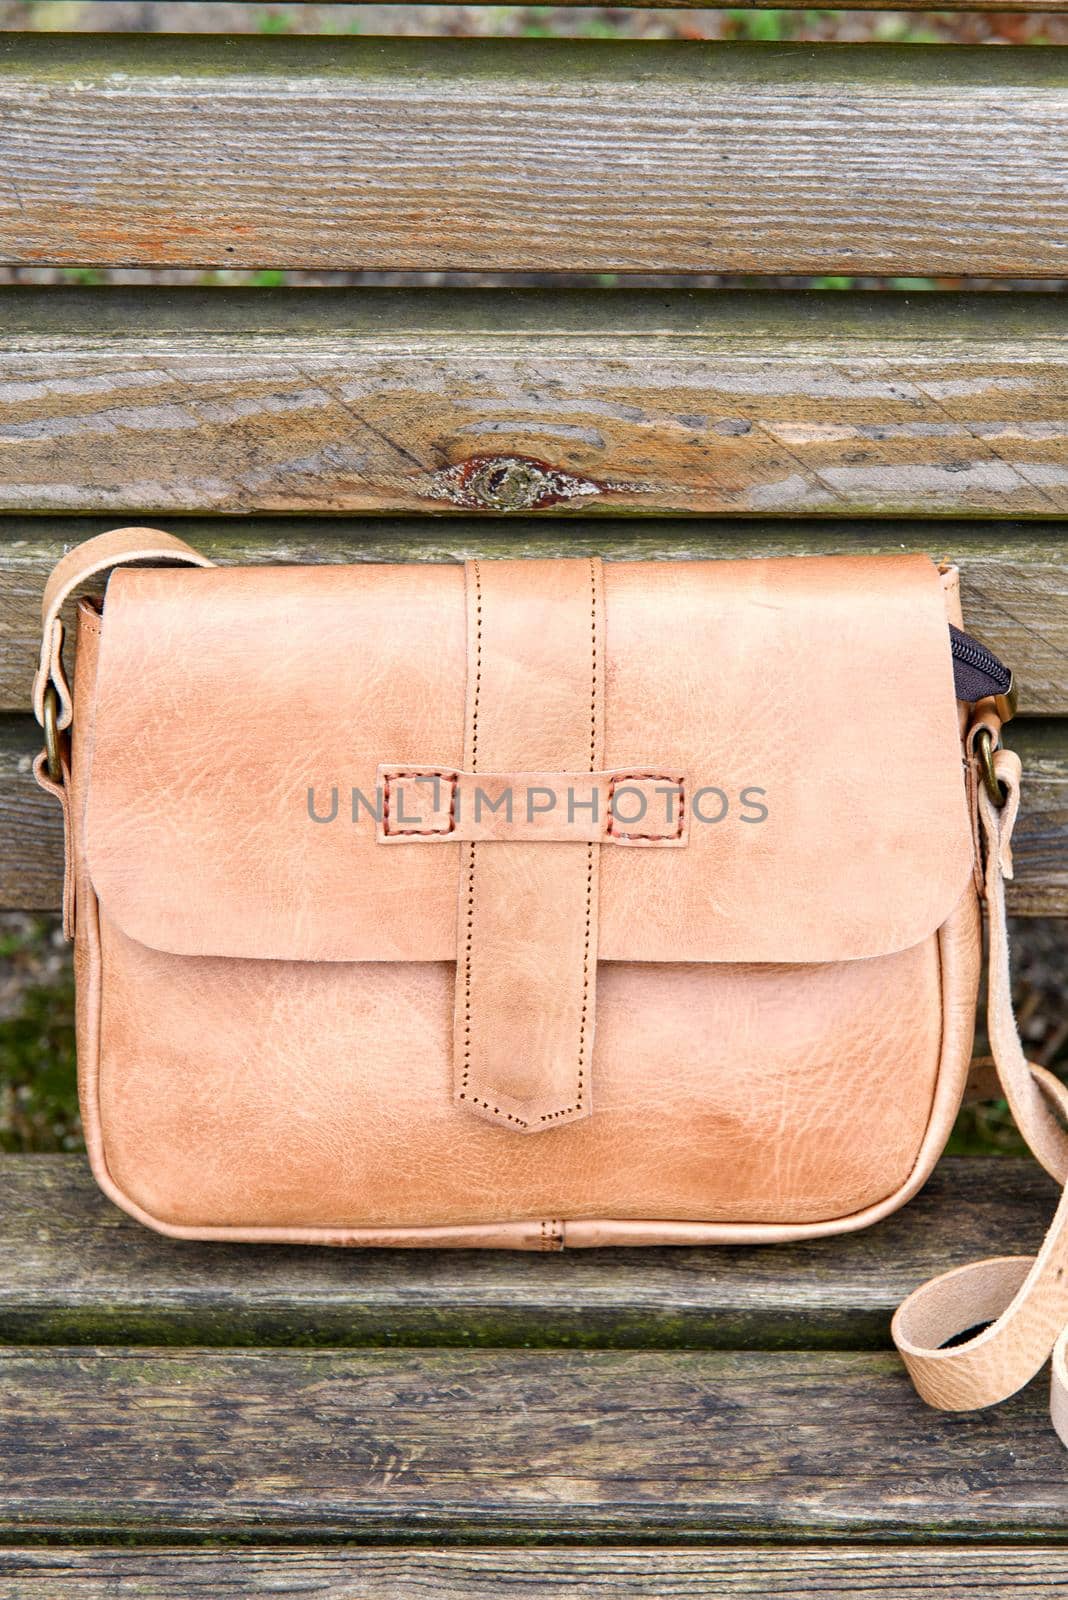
point(38, 1088)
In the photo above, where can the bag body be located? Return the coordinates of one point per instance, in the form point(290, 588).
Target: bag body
point(539, 904)
point(703, 966)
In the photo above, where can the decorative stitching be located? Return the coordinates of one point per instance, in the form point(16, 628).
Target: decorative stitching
point(426, 772)
point(566, 1111)
point(645, 777)
point(606, 783)
point(551, 1236)
point(589, 848)
point(478, 665)
point(470, 936)
point(593, 667)
point(487, 1105)
point(462, 1093)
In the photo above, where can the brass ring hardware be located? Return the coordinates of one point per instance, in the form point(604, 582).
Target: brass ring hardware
point(53, 757)
point(984, 749)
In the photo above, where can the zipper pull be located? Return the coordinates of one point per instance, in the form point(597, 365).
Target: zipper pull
point(979, 675)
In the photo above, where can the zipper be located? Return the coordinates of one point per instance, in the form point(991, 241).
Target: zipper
point(978, 673)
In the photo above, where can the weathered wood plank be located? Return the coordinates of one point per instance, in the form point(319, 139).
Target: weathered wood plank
point(445, 402)
point(782, 1573)
point(548, 154)
point(75, 1270)
point(31, 827)
point(417, 1445)
point(1040, 841)
point(1014, 575)
point(31, 844)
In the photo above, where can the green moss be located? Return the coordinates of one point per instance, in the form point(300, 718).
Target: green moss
point(38, 1080)
point(84, 58)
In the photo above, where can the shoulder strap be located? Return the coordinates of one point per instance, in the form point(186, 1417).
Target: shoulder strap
point(1019, 1303)
point(122, 547)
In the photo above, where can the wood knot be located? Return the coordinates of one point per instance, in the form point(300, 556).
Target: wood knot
point(509, 483)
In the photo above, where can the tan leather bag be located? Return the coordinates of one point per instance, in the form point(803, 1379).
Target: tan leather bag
point(539, 904)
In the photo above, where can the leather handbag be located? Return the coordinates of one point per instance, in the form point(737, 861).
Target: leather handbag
point(544, 904)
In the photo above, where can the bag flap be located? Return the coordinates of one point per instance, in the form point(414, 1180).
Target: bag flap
point(810, 702)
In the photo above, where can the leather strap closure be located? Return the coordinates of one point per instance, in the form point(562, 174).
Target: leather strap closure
point(122, 547)
point(630, 806)
point(527, 968)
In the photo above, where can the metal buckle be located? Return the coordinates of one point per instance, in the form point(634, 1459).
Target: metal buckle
point(50, 723)
point(984, 749)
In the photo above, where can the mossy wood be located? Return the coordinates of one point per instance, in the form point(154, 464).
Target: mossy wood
point(609, 1573)
point(494, 155)
point(460, 403)
point(624, 1446)
point(75, 1270)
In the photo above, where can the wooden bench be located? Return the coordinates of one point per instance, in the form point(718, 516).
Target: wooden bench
point(182, 1420)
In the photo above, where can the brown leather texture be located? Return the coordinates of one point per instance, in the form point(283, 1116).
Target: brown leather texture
point(225, 694)
point(761, 1035)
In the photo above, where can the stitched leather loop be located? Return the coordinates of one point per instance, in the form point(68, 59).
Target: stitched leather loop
point(119, 547)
